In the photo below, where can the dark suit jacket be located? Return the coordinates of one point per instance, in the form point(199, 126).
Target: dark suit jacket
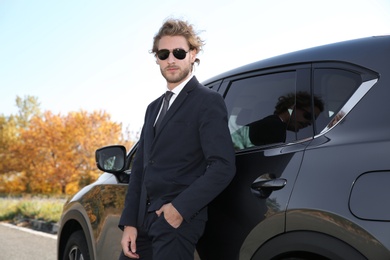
point(268, 130)
point(188, 162)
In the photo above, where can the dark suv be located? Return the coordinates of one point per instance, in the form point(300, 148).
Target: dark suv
point(312, 136)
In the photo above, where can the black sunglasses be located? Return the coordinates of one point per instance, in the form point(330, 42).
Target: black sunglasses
point(179, 54)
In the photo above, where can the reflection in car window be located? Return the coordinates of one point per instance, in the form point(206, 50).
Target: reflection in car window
point(293, 113)
point(252, 104)
point(268, 109)
point(130, 161)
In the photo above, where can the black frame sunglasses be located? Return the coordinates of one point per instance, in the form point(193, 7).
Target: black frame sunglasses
point(178, 53)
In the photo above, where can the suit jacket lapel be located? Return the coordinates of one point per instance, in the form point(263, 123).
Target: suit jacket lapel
point(178, 102)
point(149, 127)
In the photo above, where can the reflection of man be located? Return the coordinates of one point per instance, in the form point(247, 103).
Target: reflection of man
point(287, 116)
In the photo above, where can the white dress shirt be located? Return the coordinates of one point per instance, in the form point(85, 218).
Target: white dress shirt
point(176, 91)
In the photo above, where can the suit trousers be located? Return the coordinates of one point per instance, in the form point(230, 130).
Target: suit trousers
point(158, 240)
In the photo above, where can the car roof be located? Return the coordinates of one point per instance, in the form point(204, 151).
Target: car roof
point(370, 52)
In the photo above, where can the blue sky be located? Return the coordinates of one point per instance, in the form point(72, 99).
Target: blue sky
point(94, 55)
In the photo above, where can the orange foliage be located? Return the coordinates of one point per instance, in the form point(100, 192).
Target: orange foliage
point(56, 154)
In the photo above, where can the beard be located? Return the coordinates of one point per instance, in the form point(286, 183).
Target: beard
point(177, 77)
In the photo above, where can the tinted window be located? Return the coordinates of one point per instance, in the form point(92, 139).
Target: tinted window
point(252, 105)
point(214, 85)
point(334, 87)
point(280, 108)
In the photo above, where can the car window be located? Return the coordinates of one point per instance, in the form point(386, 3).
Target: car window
point(214, 85)
point(336, 87)
point(252, 105)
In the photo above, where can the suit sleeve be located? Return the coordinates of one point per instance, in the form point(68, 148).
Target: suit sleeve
point(217, 147)
point(130, 211)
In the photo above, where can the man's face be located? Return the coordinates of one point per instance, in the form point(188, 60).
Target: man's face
point(301, 118)
point(174, 70)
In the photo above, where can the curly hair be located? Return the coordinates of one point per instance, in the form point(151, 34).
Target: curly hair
point(176, 27)
point(302, 99)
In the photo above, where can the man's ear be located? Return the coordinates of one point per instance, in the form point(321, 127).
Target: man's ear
point(193, 56)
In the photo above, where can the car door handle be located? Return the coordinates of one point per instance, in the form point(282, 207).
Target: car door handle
point(263, 187)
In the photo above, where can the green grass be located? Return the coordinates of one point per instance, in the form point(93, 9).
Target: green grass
point(47, 209)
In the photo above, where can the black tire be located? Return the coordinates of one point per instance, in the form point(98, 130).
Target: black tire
point(76, 247)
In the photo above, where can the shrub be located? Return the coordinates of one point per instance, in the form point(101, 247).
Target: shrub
point(8, 209)
point(47, 209)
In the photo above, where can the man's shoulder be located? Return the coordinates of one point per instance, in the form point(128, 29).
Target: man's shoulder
point(195, 84)
point(201, 89)
point(207, 95)
point(154, 102)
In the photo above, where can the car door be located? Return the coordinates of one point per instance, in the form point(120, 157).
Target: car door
point(253, 206)
point(343, 150)
point(107, 201)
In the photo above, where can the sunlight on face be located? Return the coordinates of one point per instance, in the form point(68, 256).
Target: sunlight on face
point(174, 70)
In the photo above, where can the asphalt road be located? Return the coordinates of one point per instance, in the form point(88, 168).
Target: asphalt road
point(25, 244)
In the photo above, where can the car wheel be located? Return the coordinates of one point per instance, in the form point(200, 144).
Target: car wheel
point(76, 247)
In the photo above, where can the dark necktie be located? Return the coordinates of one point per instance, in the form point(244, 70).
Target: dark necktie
point(164, 109)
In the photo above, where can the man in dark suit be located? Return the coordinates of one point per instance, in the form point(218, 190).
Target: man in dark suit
point(183, 161)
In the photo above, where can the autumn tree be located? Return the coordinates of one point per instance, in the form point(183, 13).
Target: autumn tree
point(10, 128)
point(56, 153)
point(8, 138)
point(28, 108)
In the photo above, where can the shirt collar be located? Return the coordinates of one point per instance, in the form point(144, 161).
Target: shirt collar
point(178, 89)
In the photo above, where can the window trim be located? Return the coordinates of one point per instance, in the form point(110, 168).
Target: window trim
point(360, 92)
point(369, 79)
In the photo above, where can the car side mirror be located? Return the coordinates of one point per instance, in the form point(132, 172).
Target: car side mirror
point(111, 159)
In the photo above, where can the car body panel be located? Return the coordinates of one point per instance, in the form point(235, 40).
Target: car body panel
point(240, 210)
point(99, 206)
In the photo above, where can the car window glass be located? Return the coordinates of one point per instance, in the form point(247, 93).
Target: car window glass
point(130, 161)
point(334, 87)
point(252, 105)
point(214, 85)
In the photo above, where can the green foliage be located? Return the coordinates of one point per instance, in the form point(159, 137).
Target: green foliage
point(28, 108)
point(50, 210)
point(8, 209)
point(31, 208)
